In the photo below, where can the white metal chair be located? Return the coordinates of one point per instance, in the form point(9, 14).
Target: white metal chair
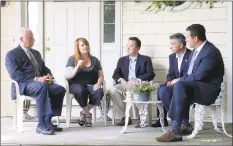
point(18, 108)
point(69, 98)
point(200, 111)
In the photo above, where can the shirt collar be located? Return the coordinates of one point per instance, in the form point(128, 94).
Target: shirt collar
point(134, 58)
point(25, 49)
point(181, 55)
point(200, 47)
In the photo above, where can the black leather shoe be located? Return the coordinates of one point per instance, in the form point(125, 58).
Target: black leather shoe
point(122, 122)
point(44, 130)
point(158, 124)
point(186, 130)
point(55, 128)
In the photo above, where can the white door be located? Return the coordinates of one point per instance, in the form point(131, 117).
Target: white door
point(64, 22)
point(111, 38)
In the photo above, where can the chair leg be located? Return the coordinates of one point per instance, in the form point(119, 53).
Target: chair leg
point(190, 112)
point(105, 111)
point(113, 114)
point(161, 115)
point(94, 115)
point(68, 110)
point(223, 124)
point(214, 120)
point(199, 116)
point(19, 114)
point(15, 114)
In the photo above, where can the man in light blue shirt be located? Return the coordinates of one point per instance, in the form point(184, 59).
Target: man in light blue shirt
point(130, 70)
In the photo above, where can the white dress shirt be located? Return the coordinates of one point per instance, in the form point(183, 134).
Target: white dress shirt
point(180, 59)
point(199, 49)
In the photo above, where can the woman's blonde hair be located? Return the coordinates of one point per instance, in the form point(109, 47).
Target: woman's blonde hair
point(77, 54)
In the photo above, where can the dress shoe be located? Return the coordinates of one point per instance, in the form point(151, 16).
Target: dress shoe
point(122, 122)
point(186, 130)
point(170, 136)
point(55, 128)
point(158, 124)
point(44, 130)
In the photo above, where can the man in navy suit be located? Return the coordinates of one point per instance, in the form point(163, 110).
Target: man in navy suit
point(130, 70)
point(26, 66)
point(178, 65)
point(201, 84)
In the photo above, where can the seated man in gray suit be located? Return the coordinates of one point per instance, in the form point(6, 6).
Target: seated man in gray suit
point(130, 69)
point(178, 66)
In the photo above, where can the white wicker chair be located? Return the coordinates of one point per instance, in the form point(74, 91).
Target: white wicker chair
point(200, 111)
point(69, 98)
point(18, 108)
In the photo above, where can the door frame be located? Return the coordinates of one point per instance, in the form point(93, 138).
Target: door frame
point(229, 63)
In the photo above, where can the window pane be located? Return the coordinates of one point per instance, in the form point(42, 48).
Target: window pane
point(109, 2)
point(109, 33)
point(109, 13)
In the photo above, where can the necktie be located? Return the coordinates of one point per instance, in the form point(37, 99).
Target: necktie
point(34, 63)
point(190, 69)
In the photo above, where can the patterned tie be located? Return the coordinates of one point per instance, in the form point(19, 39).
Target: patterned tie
point(34, 63)
point(190, 69)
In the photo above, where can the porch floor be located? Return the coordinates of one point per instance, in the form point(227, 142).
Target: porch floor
point(100, 135)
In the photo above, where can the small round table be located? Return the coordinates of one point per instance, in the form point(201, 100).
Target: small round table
point(143, 112)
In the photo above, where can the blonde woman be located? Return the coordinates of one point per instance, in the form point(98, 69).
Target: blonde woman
point(85, 77)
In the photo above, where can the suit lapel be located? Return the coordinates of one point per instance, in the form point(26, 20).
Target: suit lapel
point(137, 64)
point(184, 61)
point(200, 55)
point(24, 55)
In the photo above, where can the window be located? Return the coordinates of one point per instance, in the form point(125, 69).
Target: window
point(109, 22)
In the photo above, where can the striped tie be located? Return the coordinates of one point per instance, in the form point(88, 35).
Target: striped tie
point(190, 69)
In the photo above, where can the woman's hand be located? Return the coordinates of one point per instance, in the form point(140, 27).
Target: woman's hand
point(80, 63)
point(96, 86)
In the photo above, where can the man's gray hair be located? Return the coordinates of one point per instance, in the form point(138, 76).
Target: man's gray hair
point(179, 37)
point(22, 31)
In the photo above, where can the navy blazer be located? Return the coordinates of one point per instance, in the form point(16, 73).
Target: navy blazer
point(20, 68)
point(173, 72)
point(143, 70)
point(208, 70)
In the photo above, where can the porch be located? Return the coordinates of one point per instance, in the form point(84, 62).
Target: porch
point(100, 135)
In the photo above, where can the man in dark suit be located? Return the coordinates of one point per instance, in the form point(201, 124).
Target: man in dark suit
point(26, 66)
point(201, 83)
point(130, 69)
point(178, 65)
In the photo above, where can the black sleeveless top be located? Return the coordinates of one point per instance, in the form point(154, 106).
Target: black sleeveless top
point(85, 75)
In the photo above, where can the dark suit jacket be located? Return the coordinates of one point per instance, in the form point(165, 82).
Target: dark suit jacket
point(143, 70)
point(173, 72)
point(20, 68)
point(208, 72)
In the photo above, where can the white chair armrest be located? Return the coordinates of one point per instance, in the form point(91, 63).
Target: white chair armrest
point(16, 87)
point(67, 85)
